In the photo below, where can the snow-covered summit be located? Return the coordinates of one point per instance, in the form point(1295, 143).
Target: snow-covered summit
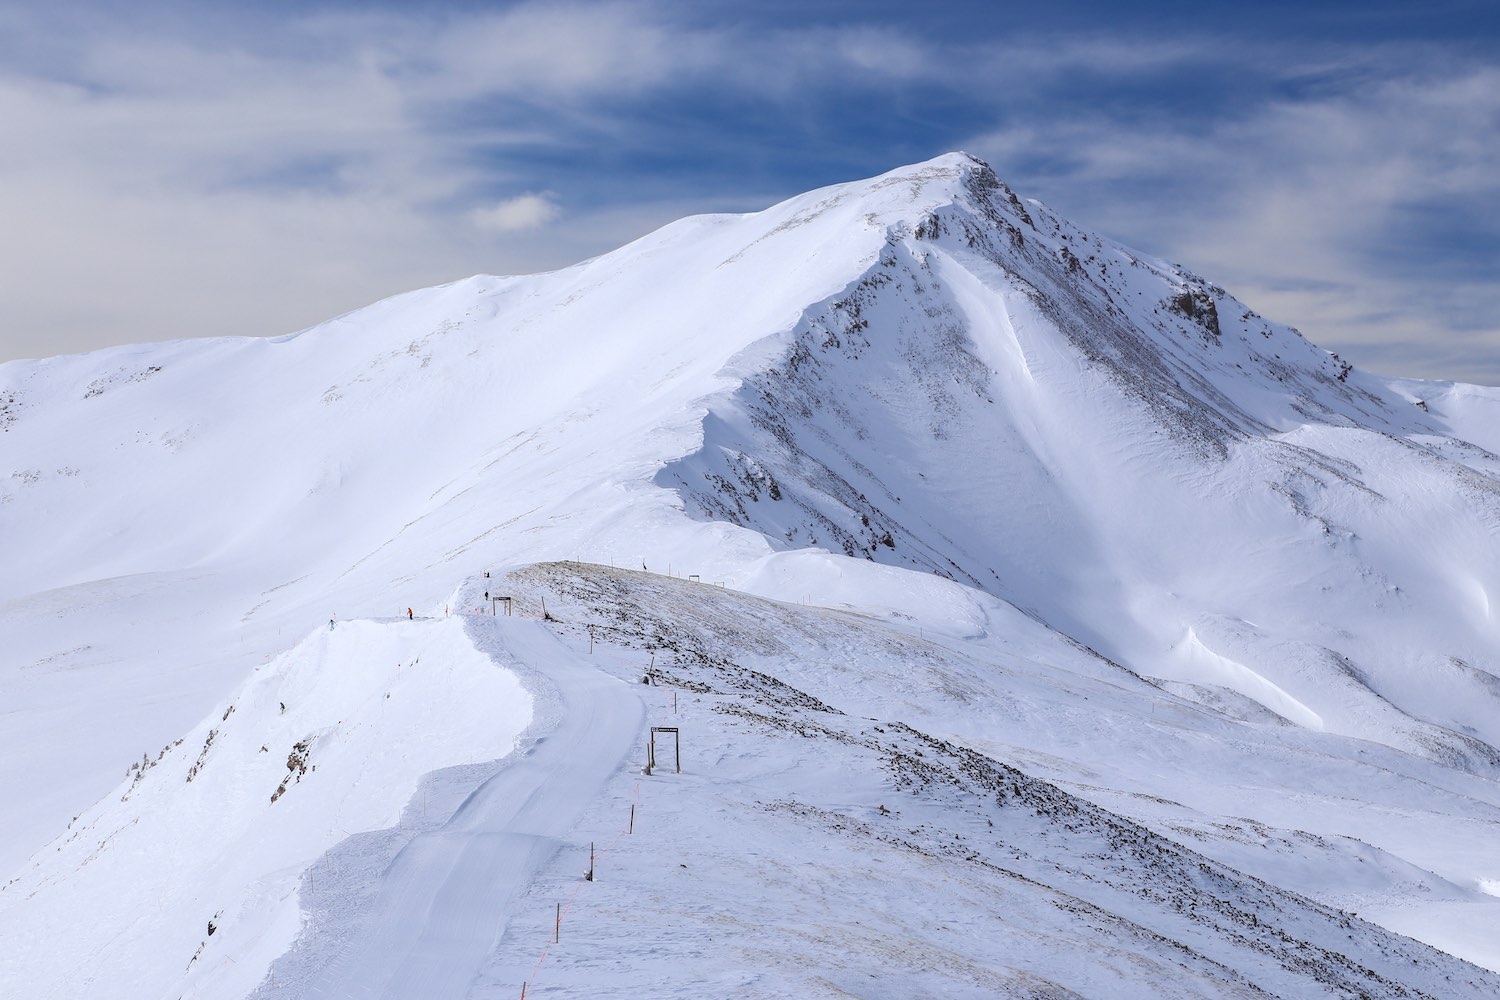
point(1154, 548)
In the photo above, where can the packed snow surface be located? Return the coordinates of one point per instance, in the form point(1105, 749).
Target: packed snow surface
point(1035, 619)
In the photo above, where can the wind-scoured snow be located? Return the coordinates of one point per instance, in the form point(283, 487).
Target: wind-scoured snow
point(1119, 641)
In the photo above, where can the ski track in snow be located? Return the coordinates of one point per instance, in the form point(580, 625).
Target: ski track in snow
point(463, 878)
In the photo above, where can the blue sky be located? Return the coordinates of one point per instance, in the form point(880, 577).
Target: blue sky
point(175, 170)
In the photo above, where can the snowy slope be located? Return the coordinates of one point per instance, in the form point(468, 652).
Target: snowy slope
point(833, 852)
point(1080, 445)
point(1111, 535)
point(328, 740)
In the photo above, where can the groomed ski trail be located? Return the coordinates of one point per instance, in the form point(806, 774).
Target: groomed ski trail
point(443, 903)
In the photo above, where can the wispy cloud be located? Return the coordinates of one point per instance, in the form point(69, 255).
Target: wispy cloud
point(189, 160)
point(1350, 213)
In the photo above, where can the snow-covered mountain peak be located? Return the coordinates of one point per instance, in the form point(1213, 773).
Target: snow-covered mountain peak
point(1207, 366)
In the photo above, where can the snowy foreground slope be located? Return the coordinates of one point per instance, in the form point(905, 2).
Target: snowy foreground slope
point(1060, 627)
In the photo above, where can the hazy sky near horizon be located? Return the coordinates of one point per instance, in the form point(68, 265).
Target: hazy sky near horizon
point(176, 170)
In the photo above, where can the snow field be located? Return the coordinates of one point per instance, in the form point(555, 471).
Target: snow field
point(1213, 607)
point(816, 853)
point(464, 870)
point(219, 826)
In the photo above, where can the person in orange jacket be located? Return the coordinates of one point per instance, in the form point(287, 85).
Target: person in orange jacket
point(408, 614)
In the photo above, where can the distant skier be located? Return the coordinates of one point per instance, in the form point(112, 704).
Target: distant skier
point(330, 624)
point(408, 615)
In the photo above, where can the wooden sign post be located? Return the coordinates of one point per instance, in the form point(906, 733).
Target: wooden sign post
point(651, 747)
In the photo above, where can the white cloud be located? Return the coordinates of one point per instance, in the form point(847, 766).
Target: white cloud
point(169, 179)
point(563, 51)
point(526, 211)
point(186, 168)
